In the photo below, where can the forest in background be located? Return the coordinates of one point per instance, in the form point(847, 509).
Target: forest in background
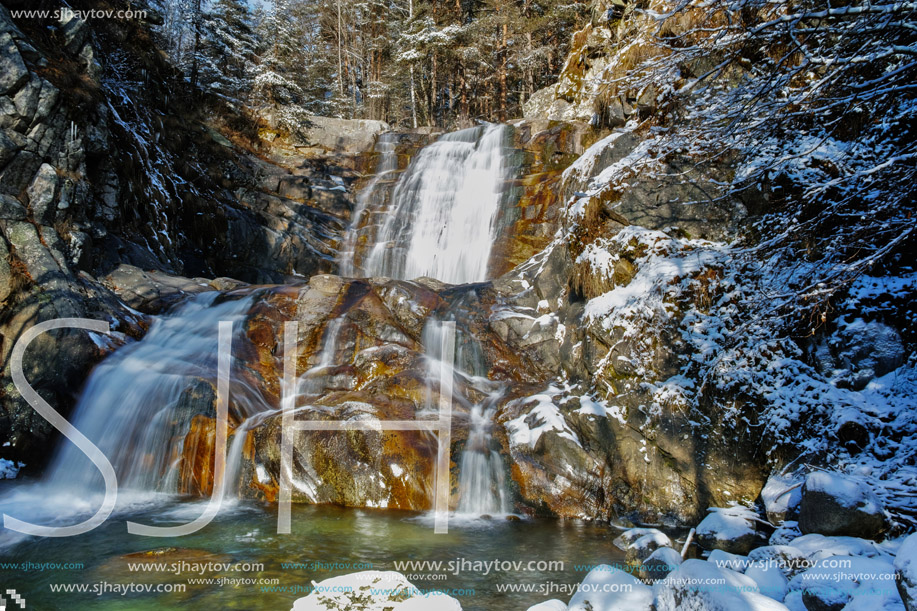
point(406, 62)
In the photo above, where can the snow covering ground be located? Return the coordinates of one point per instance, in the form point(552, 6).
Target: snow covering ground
point(853, 574)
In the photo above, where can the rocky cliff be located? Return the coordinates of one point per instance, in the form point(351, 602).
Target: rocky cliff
point(108, 167)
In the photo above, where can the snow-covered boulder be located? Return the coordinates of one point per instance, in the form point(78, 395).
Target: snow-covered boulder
point(609, 589)
point(639, 543)
point(847, 582)
point(549, 605)
point(725, 560)
point(703, 586)
point(833, 504)
point(785, 533)
point(789, 560)
point(372, 591)
point(818, 547)
point(660, 563)
point(773, 566)
point(781, 495)
point(731, 529)
point(906, 569)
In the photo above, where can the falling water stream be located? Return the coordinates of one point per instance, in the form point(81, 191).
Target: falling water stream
point(136, 405)
point(482, 486)
point(444, 209)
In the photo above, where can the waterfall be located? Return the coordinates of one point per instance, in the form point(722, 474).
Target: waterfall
point(371, 200)
point(313, 381)
point(444, 208)
point(482, 485)
point(138, 404)
point(481, 480)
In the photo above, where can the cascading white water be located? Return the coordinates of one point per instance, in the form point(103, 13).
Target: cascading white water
point(444, 210)
point(370, 199)
point(482, 484)
point(314, 379)
point(481, 480)
point(129, 407)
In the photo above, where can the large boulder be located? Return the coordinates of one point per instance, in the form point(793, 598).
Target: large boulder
point(833, 504)
point(13, 73)
point(11, 209)
point(773, 566)
point(785, 533)
point(860, 351)
point(659, 564)
point(343, 135)
point(639, 543)
point(846, 582)
point(152, 292)
point(42, 192)
point(781, 495)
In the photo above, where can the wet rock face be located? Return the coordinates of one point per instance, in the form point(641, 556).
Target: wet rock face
point(362, 358)
point(529, 221)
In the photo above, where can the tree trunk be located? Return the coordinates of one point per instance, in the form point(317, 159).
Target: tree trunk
point(413, 99)
point(340, 55)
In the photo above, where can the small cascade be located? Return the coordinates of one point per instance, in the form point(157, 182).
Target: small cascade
point(314, 379)
point(481, 481)
point(443, 213)
point(372, 199)
point(138, 404)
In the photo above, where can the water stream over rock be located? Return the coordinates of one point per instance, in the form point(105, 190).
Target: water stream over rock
point(140, 403)
point(444, 209)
